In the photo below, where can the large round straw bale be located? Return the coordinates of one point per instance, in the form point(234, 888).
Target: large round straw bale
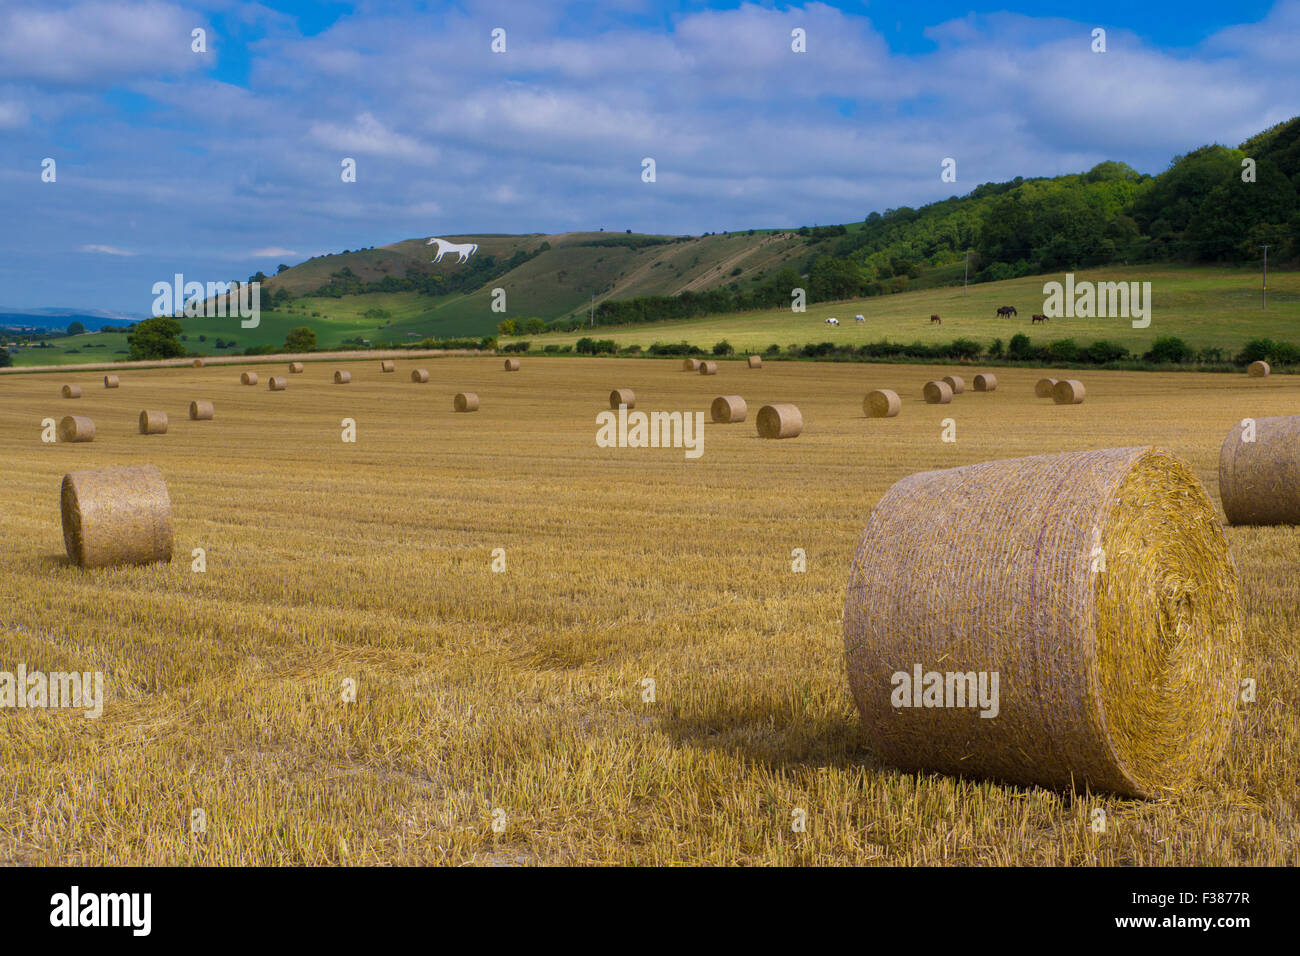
point(729, 409)
point(1258, 369)
point(708, 368)
point(755, 361)
point(387, 365)
point(779, 421)
point(112, 381)
point(72, 391)
point(1068, 391)
point(465, 402)
point(295, 368)
point(342, 378)
point(986, 382)
point(201, 411)
point(277, 384)
point(153, 422)
point(75, 428)
point(248, 378)
point(937, 393)
point(1043, 387)
point(882, 403)
point(419, 375)
point(690, 365)
point(197, 363)
point(512, 365)
point(1096, 585)
point(956, 383)
point(1259, 480)
point(622, 396)
point(116, 516)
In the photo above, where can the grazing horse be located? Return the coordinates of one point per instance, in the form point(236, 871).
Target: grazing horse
point(1006, 310)
point(860, 318)
point(463, 251)
point(1038, 317)
point(832, 321)
point(935, 318)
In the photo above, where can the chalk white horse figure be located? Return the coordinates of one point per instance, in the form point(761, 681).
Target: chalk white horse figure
point(462, 250)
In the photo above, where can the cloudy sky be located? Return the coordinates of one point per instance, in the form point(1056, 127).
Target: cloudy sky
point(220, 163)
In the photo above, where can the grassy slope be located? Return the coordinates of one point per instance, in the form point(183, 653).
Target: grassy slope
point(1207, 307)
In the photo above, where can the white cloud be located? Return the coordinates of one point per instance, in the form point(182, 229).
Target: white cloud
point(272, 252)
point(107, 250)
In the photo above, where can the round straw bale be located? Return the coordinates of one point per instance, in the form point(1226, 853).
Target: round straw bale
point(779, 421)
point(986, 382)
point(116, 516)
point(466, 402)
point(729, 409)
point(1258, 369)
point(622, 396)
point(153, 422)
point(1096, 585)
point(201, 411)
point(756, 361)
point(937, 393)
point(111, 381)
point(1068, 391)
point(956, 383)
point(72, 391)
point(295, 368)
point(387, 365)
point(197, 363)
point(882, 403)
point(277, 384)
point(1043, 387)
point(512, 365)
point(708, 368)
point(75, 428)
point(419, 375)
point(690, 365)
point(1259, 480)
point(342, 378)
point(248, 378)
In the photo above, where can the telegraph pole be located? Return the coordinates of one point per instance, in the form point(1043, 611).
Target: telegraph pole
point(1263, 291)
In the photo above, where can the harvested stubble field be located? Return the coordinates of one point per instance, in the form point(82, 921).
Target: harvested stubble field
point(523, 690)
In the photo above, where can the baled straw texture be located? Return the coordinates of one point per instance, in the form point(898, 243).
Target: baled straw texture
point(295, 368)
point(201, 411)
point(197, 363)
point(755, 361)
point(779, 421)
point(1068, 391)
point(512, 365)
point(153, 422)
point(248, 378)
point(956, 383)
point(690, 365)
point(729, 409)
point(342, 378)
point(387, 365)
point(75, 428)
point(986, 382)
point(116, 516)
point(465, 402)
point(419, 375)
point(111, 381)
point(1043, 387)
point(1258, 369)
point(622, 396)
point(72, 391)
point(1259, 481)
point(277, 384)
point(882, 403)
point(937, 393)
point(1119, 677)
point(708, 368)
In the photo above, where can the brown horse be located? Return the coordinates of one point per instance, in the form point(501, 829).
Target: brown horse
point(1038, 317)
point(1006, 310)
point(935, 318)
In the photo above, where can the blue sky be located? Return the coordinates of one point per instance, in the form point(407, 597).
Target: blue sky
point(220, 163)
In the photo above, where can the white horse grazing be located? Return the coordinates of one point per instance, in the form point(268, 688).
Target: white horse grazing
point(462, 250)
point(832, 321)
point(860, 318)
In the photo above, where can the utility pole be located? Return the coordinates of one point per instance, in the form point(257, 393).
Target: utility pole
point(1263, 291)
